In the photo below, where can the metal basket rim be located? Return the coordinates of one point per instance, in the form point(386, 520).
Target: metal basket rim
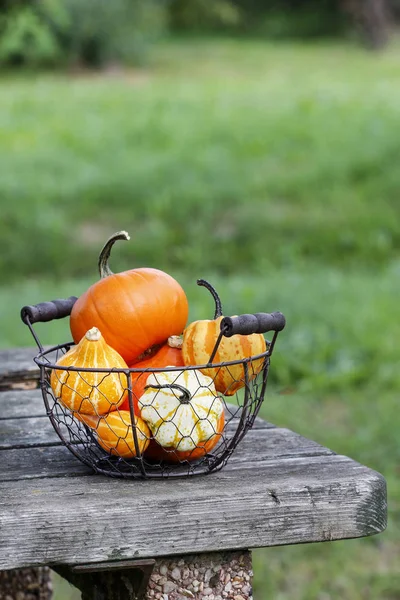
point(49, 365)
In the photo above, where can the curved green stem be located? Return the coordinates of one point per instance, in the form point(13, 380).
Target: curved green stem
point(104, 269)
point(214, 294)
point(184, 399)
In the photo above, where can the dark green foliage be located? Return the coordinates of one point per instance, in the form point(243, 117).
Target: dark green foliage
point(90, 33)
point(278, 18)
point(27, 38)
point(202, 15)
point(292, 18)
point(101, 31)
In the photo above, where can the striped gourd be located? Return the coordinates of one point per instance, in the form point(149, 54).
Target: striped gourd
point(89, 392)
point(199, 339)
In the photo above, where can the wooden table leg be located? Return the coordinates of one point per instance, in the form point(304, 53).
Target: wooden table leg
point(26, 584)
point(123, 580)
point(211, 576)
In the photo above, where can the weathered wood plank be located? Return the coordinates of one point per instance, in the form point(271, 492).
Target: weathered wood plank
point(34, 463)
point(16, 366)
point(18, 371)
point(93, 519)
point(257, 448)
point(18, 403)
point(27, 432)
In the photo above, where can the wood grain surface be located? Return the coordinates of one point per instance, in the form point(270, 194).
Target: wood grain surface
point(277, 488)
point(281, 501)
point(17, 367)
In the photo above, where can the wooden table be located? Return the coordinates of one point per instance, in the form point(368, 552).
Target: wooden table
point(168, 539)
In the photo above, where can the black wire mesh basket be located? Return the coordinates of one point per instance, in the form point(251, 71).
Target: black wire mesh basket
point(172, 421)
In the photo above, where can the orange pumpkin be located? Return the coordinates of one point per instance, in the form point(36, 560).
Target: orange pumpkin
point(90, 392)
point(114, 433)
point(199, 339)
point(135, 309)
point(168, 355)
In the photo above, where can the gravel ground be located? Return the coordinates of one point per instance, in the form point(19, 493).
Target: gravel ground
point(216, 576)
point(26, 584)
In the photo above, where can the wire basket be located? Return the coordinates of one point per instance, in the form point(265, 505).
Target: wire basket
point(190, 427)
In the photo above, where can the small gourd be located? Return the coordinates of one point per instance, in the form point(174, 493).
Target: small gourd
point(90, 392)
point(114, 433)
point(184, 413)
point(199, 339)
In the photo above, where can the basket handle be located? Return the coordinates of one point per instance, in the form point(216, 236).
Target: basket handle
point(248, 324)
point(47, 311)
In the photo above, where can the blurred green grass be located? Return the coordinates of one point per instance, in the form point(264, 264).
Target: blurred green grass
point(271, 170)
point(233, 156)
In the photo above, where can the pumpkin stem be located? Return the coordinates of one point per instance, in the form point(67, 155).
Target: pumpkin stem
point(214, 294)
point(93, 335)
point(175, 341)
point(104, 269)
point(184, 399)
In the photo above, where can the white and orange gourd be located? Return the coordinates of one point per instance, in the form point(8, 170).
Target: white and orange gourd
point(184, 413)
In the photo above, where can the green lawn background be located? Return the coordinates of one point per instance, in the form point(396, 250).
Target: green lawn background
point(271, 170)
